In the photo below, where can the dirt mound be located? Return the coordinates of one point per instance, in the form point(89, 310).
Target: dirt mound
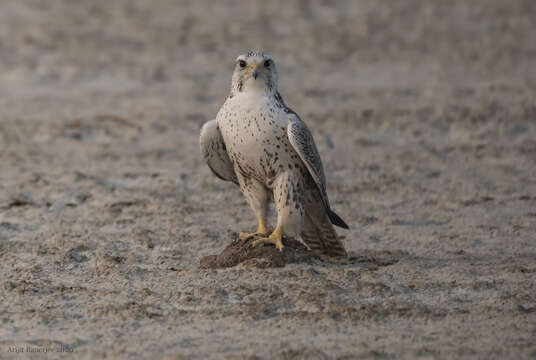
point(242, 252)
point(261, 256)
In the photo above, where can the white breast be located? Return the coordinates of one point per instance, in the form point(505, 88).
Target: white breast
point(252, 125)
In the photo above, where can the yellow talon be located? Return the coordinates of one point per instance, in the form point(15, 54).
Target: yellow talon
point(274, 238)
point(261, 231)
point(246, 235)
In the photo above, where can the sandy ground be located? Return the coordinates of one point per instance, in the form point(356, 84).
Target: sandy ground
point(424, 113)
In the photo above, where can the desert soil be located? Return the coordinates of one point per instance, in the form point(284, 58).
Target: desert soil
point(424, 113)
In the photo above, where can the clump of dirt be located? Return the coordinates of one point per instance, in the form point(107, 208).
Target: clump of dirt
point(261, 256)
point(242, 252)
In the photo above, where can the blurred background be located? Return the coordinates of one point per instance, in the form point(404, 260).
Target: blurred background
point(162, 68)
point(424, 113)
point(192, 44)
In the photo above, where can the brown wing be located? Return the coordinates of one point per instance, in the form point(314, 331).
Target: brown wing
point(303, 143)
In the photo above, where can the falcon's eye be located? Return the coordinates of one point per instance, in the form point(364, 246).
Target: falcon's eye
point(267, 63)
point(242, 63)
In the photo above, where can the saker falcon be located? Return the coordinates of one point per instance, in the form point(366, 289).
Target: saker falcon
point(260, 144)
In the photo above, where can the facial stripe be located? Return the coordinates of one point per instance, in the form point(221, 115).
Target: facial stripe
point(254, 60)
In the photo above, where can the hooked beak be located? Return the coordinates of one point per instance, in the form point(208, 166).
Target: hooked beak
point(254, 71)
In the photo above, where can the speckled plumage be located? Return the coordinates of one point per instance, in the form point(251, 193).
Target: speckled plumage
point(259, 143)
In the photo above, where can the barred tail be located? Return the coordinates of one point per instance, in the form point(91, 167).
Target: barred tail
point(320, 236)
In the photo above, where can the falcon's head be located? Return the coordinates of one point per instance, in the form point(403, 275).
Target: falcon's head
point(254, 71)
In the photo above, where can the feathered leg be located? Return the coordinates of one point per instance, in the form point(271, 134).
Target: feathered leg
point(288, 198)
point(257, 197)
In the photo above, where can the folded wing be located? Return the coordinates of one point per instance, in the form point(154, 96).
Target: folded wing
point(303, 143)
point(215, 153)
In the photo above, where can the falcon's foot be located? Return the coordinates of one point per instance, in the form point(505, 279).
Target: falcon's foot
point(246, 235)
point(274, 238)
point(261, 231)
